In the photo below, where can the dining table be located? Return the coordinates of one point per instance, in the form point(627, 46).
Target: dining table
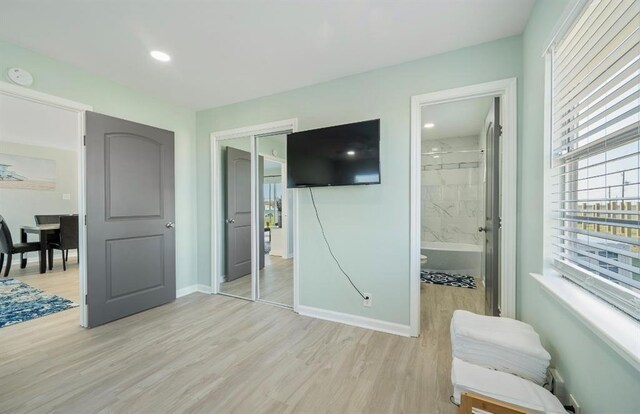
point(43, 230)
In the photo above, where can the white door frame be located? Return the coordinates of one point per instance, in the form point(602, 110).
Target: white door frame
point(216, 200)
point(80, 109)
point(507, 90)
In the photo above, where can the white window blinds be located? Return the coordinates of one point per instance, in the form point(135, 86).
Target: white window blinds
point(596, 152)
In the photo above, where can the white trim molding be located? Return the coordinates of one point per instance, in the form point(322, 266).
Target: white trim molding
point(79, 109)
point(611, 325)
point(216, 207)
point(355, 320)
point(42, 98)
point(186, 291)
point(566, 20)
point(203, 288)
point(192, 289)
point(507, 90)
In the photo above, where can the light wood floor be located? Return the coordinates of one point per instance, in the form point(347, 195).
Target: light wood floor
point(276, 282)
point(56, 281)
point(217, 354)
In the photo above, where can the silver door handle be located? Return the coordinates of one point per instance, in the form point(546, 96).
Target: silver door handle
point(481, 229)
point(170, 225)
point(230, 221)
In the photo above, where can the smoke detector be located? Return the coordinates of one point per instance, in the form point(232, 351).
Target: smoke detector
point(20, 77)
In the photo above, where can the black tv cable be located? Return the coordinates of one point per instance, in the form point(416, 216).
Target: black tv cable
point(313, 201)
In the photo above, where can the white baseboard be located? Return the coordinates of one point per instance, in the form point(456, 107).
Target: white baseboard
point(203, 288)
point(354, 320)
point(186, 291)
point(192, 289)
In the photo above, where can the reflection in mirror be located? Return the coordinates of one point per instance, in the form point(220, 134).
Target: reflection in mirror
point(235, 205)
point(276, 269)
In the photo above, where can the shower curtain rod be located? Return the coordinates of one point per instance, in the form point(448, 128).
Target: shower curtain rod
point(451, 152)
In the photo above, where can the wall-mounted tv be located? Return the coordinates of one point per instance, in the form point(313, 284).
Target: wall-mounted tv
point(339, 155)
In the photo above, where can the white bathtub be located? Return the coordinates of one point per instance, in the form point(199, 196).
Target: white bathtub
point(459, 258)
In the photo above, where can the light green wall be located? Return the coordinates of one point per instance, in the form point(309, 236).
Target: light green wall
point(66, 81)
point(600, 379)
point(368, 226)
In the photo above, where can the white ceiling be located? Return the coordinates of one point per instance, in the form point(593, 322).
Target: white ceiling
point(455, 119)
point(229, 51)
point(26, 122)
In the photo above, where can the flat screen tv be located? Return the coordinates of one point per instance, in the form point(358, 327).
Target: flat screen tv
point(339, 155)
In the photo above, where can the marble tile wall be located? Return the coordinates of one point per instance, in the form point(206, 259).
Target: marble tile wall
point(452, 203)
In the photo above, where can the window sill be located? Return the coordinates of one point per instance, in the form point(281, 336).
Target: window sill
point(616, 329)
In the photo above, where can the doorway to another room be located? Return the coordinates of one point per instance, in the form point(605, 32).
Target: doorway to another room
point(463, 199)
point(40, 198)
point(65, 170)
point(457, 239)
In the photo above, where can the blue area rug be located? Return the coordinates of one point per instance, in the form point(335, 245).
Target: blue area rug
point(20, 302)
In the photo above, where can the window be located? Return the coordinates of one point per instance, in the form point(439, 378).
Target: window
point(595, 152)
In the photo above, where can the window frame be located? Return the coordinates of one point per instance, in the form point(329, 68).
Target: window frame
point(615, 295)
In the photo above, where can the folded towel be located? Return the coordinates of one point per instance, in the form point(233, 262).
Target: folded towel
point(467, 377)
point(502, 344)
point(501, 359)
point(505, 332)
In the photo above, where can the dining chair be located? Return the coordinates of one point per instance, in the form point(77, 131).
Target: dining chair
point(47, 218)
point(9, 248)
point(52, 237)
point(68, 239)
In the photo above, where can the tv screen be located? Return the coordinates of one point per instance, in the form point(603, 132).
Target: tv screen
point(338, 155)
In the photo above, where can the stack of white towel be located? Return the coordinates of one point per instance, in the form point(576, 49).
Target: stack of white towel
point(501, 344)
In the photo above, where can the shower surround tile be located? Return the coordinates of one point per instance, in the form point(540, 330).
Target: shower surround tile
point(452, 203)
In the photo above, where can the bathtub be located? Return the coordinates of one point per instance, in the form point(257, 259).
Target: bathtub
point(459, 258)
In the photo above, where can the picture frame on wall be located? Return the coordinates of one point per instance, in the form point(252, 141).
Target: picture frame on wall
point(27, 173)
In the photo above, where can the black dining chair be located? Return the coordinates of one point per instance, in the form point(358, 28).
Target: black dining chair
point(9, 248)
point(52, 237)
point(68, 239)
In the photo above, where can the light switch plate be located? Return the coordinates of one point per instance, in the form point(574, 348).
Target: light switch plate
point(66, 196)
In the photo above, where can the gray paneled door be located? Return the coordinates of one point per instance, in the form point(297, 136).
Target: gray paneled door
point(492, 214)
point(130, 218)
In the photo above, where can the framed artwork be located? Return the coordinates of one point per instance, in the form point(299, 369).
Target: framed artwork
point(27, 173)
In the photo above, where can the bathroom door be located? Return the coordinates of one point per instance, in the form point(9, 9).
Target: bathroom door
point(492, 214)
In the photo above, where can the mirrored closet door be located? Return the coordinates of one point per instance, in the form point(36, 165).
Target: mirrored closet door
point(254, 218)
point(275, 234)
point(235, 205)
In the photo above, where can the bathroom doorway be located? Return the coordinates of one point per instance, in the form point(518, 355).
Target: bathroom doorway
point(457, 243)
point(463, 198)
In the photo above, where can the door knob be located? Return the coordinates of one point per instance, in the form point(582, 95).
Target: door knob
point(481, 229)
point(230, 221)
point(170, 225)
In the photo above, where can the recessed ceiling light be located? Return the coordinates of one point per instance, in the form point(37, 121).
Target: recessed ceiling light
point(351, 153)
point(429, 125)
point(436, 156)
point(161, 56)
point(434, 149)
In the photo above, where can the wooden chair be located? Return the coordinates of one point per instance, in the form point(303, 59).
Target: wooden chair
point(470, 401)
point(9, 248)
point(68, 239)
